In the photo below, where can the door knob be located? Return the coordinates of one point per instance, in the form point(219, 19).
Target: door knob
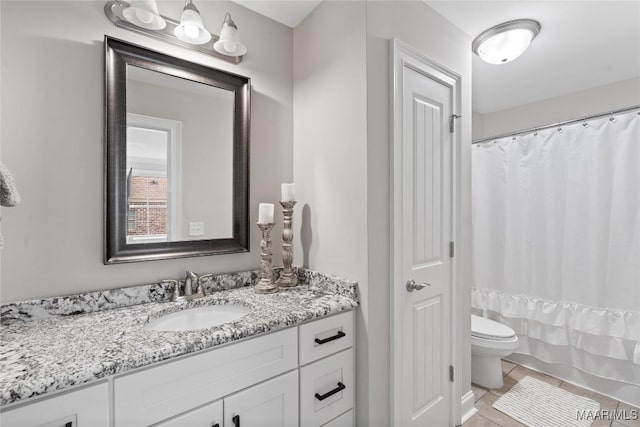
point(412, 285)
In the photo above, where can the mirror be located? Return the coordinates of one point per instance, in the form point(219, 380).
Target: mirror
point(176, 157)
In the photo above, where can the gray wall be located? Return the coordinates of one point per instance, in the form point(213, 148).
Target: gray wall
point(341, 165)
point(596, 100)
point(330, 152)
point(51, 108)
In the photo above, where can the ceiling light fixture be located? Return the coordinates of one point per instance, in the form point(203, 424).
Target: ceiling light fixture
point(191, 29)
point(229, 43)
point(505, 42)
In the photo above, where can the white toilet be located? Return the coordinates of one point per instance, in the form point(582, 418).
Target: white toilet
point(490, 341)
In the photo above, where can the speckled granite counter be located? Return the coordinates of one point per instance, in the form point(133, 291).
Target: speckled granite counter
point(53, 344)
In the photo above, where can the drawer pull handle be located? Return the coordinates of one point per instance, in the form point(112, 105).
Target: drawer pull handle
point(236, 420)
point(332, 392)
point(339, 335)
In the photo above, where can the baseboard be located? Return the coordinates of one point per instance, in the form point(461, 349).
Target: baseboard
point(466, 406)
point(616, 390)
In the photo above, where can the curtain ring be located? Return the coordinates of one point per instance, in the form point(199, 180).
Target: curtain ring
point(560, 130)
point(612, 119)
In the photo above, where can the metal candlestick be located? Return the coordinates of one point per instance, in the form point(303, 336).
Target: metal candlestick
point(287, 277)
point(266, 285)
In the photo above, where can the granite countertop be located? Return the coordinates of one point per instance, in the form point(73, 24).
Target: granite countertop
point(49, 345)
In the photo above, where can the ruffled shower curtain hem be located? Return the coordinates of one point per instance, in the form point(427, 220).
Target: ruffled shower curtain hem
point(602, 342)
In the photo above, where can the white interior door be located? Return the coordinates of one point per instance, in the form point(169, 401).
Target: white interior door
point(422, 228)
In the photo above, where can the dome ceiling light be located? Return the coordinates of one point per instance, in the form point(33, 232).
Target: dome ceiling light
point(505, 42)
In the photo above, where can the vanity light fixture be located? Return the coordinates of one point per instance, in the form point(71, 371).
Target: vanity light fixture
point(505, 42)
point(141, 16)
point(144, 14)
point(191, 28)
point(229, 43)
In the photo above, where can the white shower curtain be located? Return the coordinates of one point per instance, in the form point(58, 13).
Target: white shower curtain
point(556, 226)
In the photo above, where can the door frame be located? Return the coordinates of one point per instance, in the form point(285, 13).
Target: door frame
point(402, 54)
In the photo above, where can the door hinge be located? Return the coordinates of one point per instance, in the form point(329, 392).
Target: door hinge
point(451, 373)
point(452, 124)
point(452, 249)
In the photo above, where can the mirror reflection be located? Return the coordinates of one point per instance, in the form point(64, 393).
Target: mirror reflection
point(179, 159)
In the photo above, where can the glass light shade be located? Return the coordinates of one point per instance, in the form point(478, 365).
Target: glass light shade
point(144, 13)
point(505, 47)
point(229, 43)
point(505, 42)
point(191, 29)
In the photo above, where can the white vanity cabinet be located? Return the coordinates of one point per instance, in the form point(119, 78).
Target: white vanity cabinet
point(299, 376)
point(86, 407)
point(164, 391)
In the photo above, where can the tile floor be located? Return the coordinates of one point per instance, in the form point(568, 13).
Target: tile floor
point(487, 416)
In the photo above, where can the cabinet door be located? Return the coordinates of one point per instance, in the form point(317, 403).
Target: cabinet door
point(207, 416)
point(269, 404)
point(87, 407)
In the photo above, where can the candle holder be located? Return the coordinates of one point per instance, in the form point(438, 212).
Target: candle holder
point(287, 277)
point(266, 285)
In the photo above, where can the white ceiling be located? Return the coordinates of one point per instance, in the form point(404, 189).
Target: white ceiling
point(582, 44)
point(287, 12)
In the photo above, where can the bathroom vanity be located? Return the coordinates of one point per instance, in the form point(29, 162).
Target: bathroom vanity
point(289, 361)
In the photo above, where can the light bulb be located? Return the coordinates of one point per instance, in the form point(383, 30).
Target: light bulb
point(191, 31)
point(229, 43)
point(505, 47)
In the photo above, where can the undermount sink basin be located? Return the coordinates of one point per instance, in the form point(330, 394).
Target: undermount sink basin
point(198, 318)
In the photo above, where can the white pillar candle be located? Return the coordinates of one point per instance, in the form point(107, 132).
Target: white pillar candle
point(288, 192)
point(265, 213)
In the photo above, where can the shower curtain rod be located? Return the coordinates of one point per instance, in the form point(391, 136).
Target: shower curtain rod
point(567, 122)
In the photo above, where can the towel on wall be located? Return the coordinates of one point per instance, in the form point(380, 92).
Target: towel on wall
point(9, 195)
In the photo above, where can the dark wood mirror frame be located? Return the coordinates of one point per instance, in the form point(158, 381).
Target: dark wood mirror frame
point(119, 54)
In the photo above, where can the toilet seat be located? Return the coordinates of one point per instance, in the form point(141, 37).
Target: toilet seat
point(487, 329)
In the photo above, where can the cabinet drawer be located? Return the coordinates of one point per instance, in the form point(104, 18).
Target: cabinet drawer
point(207, 416)
point(88, 407)
point(326, 336)
point(344, 420)
point(327, 389)
point(157, 394)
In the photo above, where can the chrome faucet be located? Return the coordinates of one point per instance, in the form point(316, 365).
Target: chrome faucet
point(188, 283)
point(192, 280)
